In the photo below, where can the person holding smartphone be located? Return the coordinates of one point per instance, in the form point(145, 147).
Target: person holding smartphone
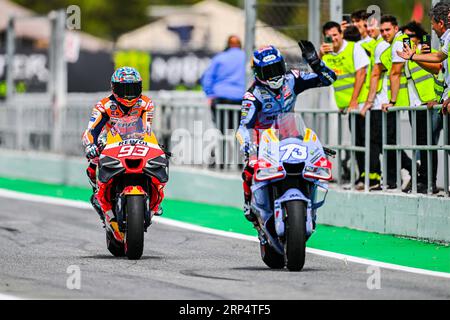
point(378, 95)
point(440, 24)
point(421, 85)
point(349, 61)
point(439, 15)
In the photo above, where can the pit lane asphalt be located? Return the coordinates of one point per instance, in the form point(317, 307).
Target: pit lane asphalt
point(40, 241)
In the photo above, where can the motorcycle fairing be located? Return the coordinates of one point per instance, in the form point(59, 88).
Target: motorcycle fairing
point(290, 195)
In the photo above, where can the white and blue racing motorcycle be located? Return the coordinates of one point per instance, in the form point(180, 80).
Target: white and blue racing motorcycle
point(290, 166)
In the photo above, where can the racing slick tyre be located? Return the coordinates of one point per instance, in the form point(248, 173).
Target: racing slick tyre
point(271, 258)
point(134, 234)
point(295, 235)
point(116, 248)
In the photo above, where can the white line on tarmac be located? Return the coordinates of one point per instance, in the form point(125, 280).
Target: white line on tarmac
point(9, 297)
point(345, 258)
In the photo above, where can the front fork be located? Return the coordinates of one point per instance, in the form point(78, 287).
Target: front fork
point(261, 205)
point(121, 204)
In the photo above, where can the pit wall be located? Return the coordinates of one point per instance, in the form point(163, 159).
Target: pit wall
point(415, 216)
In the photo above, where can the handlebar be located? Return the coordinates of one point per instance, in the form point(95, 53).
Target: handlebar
point(329, 152)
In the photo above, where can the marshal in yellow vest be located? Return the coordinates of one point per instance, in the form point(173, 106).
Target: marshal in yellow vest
point(423, 81)
point(343, 65)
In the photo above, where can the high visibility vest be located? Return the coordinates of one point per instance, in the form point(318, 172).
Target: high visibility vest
point(372, 61)
point(423, 81)
point(439, 86)
point(343, 65)
point(386, 60)
point(370, 49)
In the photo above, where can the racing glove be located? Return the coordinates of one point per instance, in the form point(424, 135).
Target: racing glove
point(91, 151)
point(309, 53)
point(249, 148)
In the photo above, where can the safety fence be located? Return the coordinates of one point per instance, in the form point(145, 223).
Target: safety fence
point(29, 121)
point(184, 124)
point(338, 131)
point(432, 138)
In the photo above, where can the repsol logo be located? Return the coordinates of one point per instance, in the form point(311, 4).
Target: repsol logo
point(133, 142)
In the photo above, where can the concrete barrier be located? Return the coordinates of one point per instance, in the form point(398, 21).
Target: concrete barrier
point(416, 216)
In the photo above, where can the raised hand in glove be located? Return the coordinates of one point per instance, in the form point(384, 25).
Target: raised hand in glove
point(309, 53)
point(91, 151)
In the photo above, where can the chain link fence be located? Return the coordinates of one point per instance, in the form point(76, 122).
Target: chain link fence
point(284, 23)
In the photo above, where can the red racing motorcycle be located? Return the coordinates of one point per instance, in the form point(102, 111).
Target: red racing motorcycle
point(132, 172)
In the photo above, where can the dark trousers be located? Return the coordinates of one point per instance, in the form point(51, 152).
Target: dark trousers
point(360, 135)
point(391, 175)
point(232, 124)
point(376, 145)
point(421, 125)
point(219, 118)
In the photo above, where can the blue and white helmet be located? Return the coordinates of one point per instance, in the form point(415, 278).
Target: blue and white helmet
point(269, 66)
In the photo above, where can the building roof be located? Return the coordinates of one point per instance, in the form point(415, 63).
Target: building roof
point(37, 27)
point(213, 21)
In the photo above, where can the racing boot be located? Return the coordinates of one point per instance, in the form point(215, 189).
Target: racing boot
point(112, 226)
point(247, 177)
point(96, 206)
point(158, 212)
point(248, 213)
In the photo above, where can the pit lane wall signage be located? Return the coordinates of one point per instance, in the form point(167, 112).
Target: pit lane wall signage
point(90, 73)
point(167, 71)
point(92, 70)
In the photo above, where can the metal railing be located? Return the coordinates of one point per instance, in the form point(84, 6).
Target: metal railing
point(429, 147)
point(26, 123)
point(341, 145)
point(345, 141)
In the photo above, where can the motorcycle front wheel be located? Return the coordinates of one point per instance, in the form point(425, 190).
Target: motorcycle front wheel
point(295, 235)
point(134, 235)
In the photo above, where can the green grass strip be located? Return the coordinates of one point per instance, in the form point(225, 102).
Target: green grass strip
point(380, 247)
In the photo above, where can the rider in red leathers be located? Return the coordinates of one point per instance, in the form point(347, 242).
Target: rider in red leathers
point(126, 100)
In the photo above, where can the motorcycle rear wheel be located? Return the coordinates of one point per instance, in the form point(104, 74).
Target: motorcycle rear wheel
point(295, 235)
point(134, 235)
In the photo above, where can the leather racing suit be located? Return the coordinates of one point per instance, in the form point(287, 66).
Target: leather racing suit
point(104, 115)
point(261, 105)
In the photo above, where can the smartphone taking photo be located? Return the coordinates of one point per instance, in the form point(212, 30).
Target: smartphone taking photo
point(407, 41)
point(329, 41)
point(426, 43)
point(347, 18)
